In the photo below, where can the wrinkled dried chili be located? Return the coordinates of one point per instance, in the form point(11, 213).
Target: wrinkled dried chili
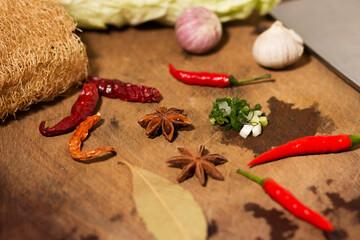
point(308, 145)
point(209, 79)
point(82, 108)
point(113, 88)
point(79, 135)
point(289, 202)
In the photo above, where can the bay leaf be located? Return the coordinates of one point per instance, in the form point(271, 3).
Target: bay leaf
point(168, 210)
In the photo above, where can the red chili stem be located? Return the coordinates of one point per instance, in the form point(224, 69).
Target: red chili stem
point(113, 88)
point(234, 81)
point(308, 145)
point(355, 139)
point(253, 177)
point(209, 79)
point(82, 108)
point(289, 202)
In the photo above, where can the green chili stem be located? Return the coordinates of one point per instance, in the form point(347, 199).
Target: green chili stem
point(355, 139)
point(234, 81)
point(250, 176)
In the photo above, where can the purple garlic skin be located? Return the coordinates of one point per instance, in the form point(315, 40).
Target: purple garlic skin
point(198, 30)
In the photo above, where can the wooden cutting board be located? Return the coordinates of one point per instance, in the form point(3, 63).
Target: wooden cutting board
point(44, 194)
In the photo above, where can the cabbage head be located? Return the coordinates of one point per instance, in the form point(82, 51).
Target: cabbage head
point(97, 14)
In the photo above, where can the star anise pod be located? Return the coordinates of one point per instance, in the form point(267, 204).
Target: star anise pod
point(164, 120)
point(198, 163)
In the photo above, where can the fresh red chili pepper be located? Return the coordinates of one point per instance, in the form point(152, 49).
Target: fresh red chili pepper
point(113, 88)
point(82, 108)
point(308, 145)
point(209, 79)
point(289, 202)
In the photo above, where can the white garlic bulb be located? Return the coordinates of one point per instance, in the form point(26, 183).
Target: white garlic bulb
point(277, 47)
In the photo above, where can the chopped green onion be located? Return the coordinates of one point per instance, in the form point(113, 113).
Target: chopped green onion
point(221, 120)
point(250, 115)
point(263, 121)
point(227, 111)
point(228, 126)
point(235, 113)
point(245, 110)
point(222, 105)
point(242, 118)
point(226, 99)
point(256, 130)
point(258, 113)
point(246, 130)
point(255, 119)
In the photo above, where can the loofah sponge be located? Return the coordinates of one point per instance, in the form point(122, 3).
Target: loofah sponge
point(40, 55)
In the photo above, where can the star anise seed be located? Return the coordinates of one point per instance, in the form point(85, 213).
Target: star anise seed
point(164, 120)
point(198, 163)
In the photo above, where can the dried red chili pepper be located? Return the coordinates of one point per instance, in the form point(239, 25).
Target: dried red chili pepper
point(308, 145)
point(113, 88)
point(79, 135)
point(289, 202)
point(82, 108)
point(209, 79)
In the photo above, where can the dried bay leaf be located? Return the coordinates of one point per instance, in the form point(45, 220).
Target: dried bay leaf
point(168, 210)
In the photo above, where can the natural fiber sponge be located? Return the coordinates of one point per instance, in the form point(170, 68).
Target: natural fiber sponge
point(40, 55)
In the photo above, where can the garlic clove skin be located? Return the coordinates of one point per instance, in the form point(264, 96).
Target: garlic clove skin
point(277, 47)
point(198, 30)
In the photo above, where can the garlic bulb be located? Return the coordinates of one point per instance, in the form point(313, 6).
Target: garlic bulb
point(277, 47)
point(198, 30)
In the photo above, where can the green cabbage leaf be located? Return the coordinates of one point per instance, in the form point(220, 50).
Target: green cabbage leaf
point(98, 14)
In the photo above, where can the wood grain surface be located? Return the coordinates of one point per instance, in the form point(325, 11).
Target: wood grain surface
point(44, 194)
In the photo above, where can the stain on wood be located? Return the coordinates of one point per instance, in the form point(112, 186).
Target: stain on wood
point(70, 235)
point(286, 123)
point(117, 217)
point(338, 234)
point(339, 203)
point(133, 212)
point(114, 122)
point(281, 227)
point(329, 181)
point(259, 238)
point(90, 237)
point(212, 228)
point(313, 189)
